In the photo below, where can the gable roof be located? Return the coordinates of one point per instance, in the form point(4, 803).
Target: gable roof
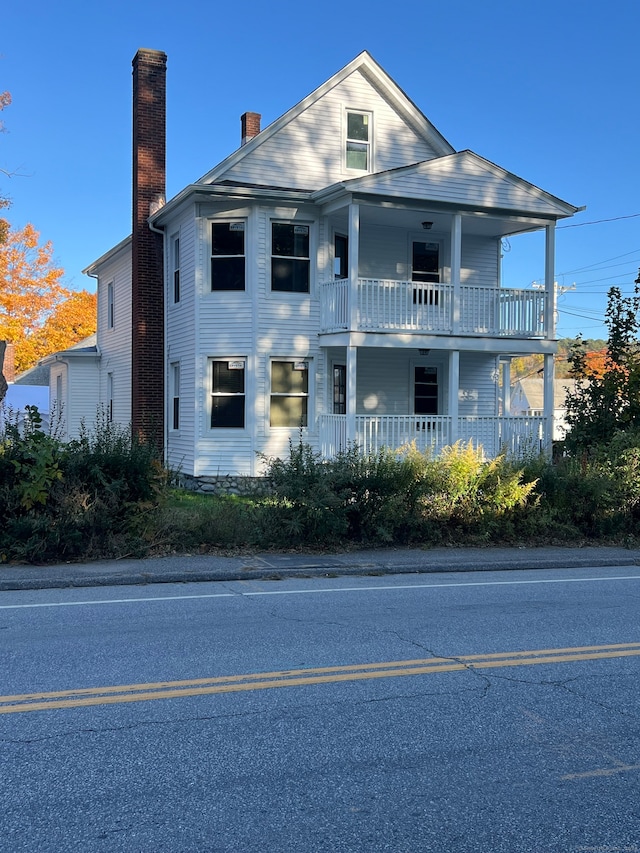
point(379, 78)
point(532, 390)
point(462, 178)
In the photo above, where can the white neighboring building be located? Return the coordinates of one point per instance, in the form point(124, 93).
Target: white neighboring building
point(338, 276)
point(527, 399)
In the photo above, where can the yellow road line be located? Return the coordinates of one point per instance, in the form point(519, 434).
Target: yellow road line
point(143, 692)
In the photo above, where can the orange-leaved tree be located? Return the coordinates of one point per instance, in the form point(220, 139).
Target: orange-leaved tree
point(69, 322)
point(32, 296)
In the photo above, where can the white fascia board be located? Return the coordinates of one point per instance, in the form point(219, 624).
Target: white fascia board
point(119, 247)
point(201, 192)
point(567, 208)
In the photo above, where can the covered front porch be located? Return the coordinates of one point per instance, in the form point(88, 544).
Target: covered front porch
point(389, 396)
point(516, 436)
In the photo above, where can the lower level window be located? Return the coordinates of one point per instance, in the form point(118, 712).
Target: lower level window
point(289, 394)
point(425, 399)
point(227, 394)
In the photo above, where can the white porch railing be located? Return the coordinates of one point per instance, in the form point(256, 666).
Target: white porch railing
point(392, 306)
point(517, 436)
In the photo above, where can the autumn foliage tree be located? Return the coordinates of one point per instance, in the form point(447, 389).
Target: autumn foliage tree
point(608, 400)
point(37, 313)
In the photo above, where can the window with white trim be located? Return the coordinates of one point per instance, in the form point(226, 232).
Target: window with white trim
point(174, 380)
point(110, 396)
point(228, 256)
point(289, 394)
point(425, 390)
point(175, 266)
point(290, 261)
point(339, 389)
point(358, 141)
point(110, 306)
point(227, 393)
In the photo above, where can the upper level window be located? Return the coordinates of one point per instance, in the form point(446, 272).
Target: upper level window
point(290, 257)
point(110, 306)
point(358, 141)
point(425, 262)
point(341, 257)
point(175, 263)
point(227, 256)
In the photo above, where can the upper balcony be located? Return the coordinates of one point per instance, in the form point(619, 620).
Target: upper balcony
point(433, 308)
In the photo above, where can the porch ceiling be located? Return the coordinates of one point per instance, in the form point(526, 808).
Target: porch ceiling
point(409, 217)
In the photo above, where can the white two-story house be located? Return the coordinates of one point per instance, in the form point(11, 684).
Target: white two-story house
point(336, 277)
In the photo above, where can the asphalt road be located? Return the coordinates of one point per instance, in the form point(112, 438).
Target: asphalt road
point(446, 712)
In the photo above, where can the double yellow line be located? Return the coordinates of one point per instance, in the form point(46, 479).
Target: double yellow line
point(21, 703)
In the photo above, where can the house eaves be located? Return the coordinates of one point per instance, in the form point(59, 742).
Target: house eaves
point(379, 78)
point(227, 190)
point(119, 247)
point(391, 184)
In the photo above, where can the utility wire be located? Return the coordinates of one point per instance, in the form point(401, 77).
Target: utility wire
point(598, 221)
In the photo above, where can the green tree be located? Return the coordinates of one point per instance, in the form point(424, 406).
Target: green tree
point(607, 401)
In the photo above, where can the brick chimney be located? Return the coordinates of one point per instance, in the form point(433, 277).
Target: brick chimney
point(147, 303)
point(9, 368)
point(250, 126)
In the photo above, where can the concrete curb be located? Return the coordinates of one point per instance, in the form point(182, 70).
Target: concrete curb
point(207, 568)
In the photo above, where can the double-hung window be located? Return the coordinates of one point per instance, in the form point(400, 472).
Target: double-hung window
point(110, 396)
point(289, 394)
point(227, 394)
point(110, 306)
point(175, 264)
point(175, 395)
point(358, 144)
point(290, 262)
point(227, 256)
point(339, 389)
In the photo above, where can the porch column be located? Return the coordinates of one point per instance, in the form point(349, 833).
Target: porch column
point(548, 405)
point(456, 264)
point(454, 385)
point(352, 363)
point(354, 246)
point(549, 281)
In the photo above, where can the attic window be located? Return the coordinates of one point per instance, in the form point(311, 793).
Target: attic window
point(358, 150)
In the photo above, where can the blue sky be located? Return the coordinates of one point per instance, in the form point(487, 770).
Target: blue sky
point(548, 90)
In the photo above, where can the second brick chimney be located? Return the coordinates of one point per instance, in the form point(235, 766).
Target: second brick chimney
point(250, 126)
point(147, 304)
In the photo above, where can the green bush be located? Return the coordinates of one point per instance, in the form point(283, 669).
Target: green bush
point(80, 500)
point(393, 497)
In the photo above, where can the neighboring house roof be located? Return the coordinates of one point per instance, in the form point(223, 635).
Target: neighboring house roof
point(37, 375)
point(531, 392)
point(86, 347)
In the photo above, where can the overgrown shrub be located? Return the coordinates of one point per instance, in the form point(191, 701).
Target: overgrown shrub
point(386, 497)
point(78, 500)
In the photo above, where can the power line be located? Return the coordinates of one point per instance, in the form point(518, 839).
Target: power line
point(598, 221)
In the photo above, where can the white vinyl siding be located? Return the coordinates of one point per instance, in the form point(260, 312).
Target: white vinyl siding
point(308, 152)
point(460, 178)
point(114, 343)
point(478, 384)
point(181, 336)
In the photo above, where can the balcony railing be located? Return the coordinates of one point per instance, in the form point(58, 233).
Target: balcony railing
point(398, 306)
point(517, 436)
